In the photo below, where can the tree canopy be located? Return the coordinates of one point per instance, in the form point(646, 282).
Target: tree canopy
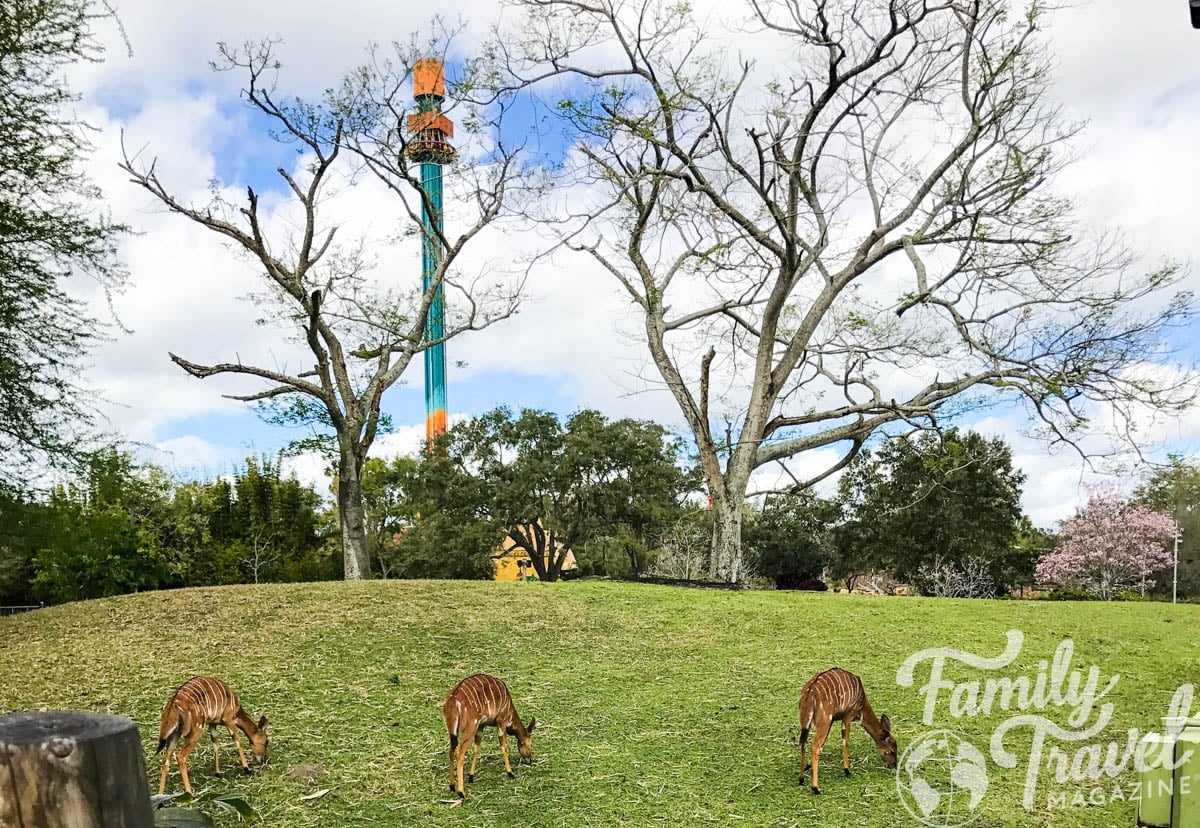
point(427, 518)
point(52, 227)
point(791, 540)
point(933, 499)
point(122, 526)
point(552, 486)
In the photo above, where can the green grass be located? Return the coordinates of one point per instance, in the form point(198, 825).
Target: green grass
point(655, 705)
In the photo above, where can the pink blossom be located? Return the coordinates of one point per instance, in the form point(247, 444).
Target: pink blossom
point(1109, 547)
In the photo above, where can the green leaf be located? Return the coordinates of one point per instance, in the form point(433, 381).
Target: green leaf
point(234, 803)
point(159, 800)
point(182, 818)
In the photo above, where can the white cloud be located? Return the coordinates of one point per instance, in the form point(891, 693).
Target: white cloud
point(191, 456)
point(804, 467)
point(311, 469)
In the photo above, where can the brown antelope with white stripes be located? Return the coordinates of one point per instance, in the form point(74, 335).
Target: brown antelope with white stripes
point(482, 701)
point(838, 695)
point(206, 702)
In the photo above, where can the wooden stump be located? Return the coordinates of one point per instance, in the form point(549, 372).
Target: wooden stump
point(72, 770)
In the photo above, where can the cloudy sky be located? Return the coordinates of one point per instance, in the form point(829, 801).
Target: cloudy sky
point(1131, 70)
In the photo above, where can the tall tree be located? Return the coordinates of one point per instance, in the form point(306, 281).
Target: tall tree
point(1016, 570)
point(51, 228)
point(552, 486)
point(123, 526)
point(791, 539)
point(945, 499)
point(854, 230)
point(389, 504)
point(24, 525)
point(361, 337)
point(1108, 547)
point(1174, 490)
point(435, 520)
point(275, 516)
point(101, 538)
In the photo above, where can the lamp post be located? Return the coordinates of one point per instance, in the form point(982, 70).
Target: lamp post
point(1175, 575)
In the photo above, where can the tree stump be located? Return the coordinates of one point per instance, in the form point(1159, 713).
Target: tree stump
point(72, 770)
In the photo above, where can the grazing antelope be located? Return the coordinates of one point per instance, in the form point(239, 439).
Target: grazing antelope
point(206, 702)
point(837, 695)
point(481, 701)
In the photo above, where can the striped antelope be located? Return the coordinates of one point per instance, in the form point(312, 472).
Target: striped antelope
point(206, 702)
point(480, 701)
point(837, 695)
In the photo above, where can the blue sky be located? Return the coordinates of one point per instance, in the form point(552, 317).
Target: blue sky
point(1137, 86)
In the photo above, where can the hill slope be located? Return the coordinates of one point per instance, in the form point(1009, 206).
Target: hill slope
point(655, 705)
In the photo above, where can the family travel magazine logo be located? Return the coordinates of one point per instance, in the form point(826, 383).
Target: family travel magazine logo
point(1058, 710)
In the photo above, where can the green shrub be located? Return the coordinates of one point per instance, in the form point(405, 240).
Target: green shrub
point(1069, 593)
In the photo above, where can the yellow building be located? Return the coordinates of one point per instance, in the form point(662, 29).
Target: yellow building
point(513, 562)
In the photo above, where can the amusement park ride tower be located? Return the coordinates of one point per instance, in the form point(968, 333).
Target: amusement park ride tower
point(428, 146)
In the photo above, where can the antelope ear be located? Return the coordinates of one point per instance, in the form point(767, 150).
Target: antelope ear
point(886, 723)
point(262, 723)
point(532, 725)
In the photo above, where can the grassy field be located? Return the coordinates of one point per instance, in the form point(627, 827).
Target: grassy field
point(655, 705)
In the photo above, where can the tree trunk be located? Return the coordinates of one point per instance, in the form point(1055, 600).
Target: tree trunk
point(556, 555)
point(353, 520)
point(72, 770)
point(725, 563)
point(553, 565)
point(529, 540)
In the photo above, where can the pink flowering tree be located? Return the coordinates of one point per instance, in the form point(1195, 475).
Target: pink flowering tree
point(1109, 547)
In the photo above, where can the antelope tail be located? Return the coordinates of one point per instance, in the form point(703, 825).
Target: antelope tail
point(808, 712)
point(168, 728)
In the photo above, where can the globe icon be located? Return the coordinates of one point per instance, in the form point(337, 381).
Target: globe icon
point(942, 779)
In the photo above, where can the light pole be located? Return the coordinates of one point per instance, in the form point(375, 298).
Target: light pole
point(1175, 575)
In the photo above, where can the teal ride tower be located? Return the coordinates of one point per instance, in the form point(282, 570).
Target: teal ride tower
point(428, 145)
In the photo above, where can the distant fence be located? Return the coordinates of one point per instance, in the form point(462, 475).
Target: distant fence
point(687, 582)
point(13, 610)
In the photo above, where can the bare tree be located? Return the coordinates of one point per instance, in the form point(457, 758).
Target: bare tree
point(261, 554)
point(684, 551)
point(360, 336)
point(949, 579)
point(855, 231)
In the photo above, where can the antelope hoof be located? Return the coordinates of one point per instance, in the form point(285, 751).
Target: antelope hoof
point(247, 771)
point(846, 771)
point(453, 787)
point(808, 767)
point(470, 777)
point(217, 774)
point(462, 795)
point(816, 790)
point(511, 775)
